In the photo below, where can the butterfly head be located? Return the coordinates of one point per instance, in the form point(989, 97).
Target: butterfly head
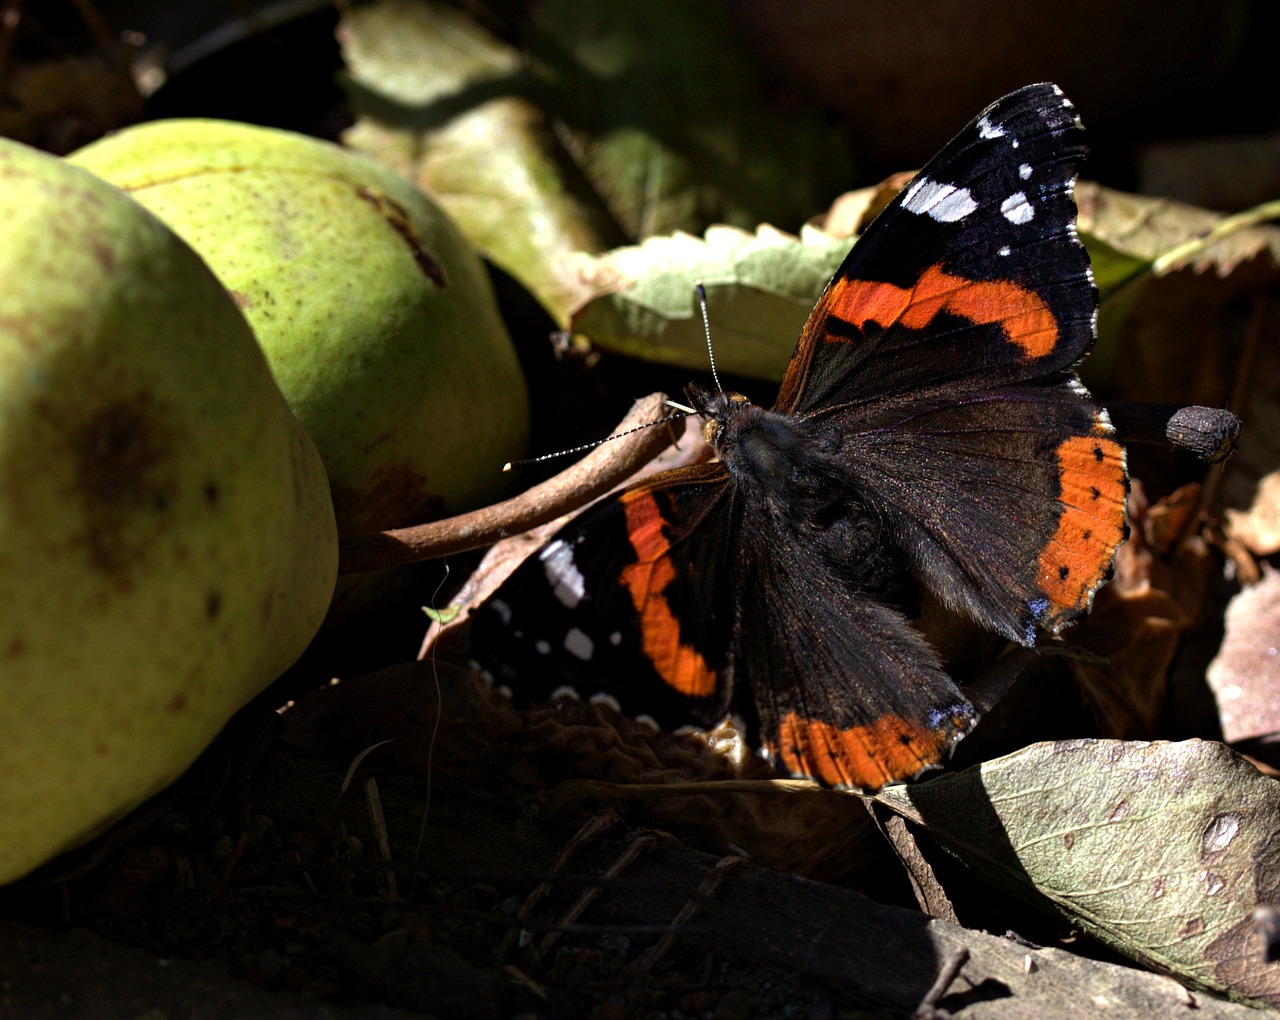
point(718, 410)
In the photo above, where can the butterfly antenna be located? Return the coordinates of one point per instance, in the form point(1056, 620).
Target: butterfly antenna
point(684, 412)
point(701, 292)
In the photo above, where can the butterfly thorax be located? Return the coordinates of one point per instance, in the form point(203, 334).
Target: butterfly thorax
point(775, 458)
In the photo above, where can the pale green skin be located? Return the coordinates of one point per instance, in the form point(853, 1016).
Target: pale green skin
point(167, 545)
point(409, 385)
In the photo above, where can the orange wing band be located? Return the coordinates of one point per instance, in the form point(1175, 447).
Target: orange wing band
point(863, 757)
point(1079, 556)
point(679, 665)
point(1023, 316)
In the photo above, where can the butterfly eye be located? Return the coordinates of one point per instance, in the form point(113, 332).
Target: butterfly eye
point(710, 430)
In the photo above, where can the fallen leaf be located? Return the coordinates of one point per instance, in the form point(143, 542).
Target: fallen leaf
point(760, 288)
point(671, 118)
point(1151, 232)
point(1171, 278)
point(448, 106)
point(1136, 634)
point(617, 122)
point(1245, 675)
point(1160, 850)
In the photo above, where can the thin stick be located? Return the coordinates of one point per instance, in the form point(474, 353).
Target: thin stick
point(598, 472)
point(947, 974)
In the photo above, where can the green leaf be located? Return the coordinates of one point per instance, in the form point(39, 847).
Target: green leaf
point(445, 104)
point(1160, 850)
point(623, 121)
point(760, 289)
point(666, 110)
point(1169, 274)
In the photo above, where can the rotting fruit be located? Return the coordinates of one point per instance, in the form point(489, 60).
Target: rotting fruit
point(378, 319)
point(167, 541)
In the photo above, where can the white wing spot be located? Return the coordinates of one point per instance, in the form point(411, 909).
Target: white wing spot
point(1004, 249)
point(577, 644)
point(988, 130)
point(562, 574)
point(1017, 209)
point(608, 700)
point(1024, 171)
point(942, 202)
point(615, 638)
point(542, 647)
point(503, 610)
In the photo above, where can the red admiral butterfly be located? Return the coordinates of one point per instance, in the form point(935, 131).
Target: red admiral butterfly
point(929, 421)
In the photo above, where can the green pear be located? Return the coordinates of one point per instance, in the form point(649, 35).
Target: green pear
point(377, 317)
point(167, 544)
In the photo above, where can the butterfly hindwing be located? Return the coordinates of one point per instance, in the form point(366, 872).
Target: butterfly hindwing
point(842, 689)
point(1009, 504)
point(616, 604)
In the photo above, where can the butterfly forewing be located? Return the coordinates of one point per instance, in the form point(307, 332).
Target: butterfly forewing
point(971, 276)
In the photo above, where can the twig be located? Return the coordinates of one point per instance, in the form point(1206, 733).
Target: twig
point(710, 883)
point(589, 895)
point(597, 824)
point(947, 973)
point(599, 471)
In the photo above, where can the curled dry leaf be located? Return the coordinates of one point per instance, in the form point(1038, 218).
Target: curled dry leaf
point(1245, 676)
point(1160, 590)
point(1160, 850)
point(607, 465)
point(521, 532)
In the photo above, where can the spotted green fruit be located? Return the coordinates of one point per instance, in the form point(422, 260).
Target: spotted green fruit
point(378, 319)
point(167, 544)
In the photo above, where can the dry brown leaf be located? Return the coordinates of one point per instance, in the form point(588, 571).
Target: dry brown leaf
point(1245, 675)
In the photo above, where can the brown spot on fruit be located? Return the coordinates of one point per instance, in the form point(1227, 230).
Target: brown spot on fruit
point(122, 472)
point(178, 704)
point(213, 604)
point(398, 219)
